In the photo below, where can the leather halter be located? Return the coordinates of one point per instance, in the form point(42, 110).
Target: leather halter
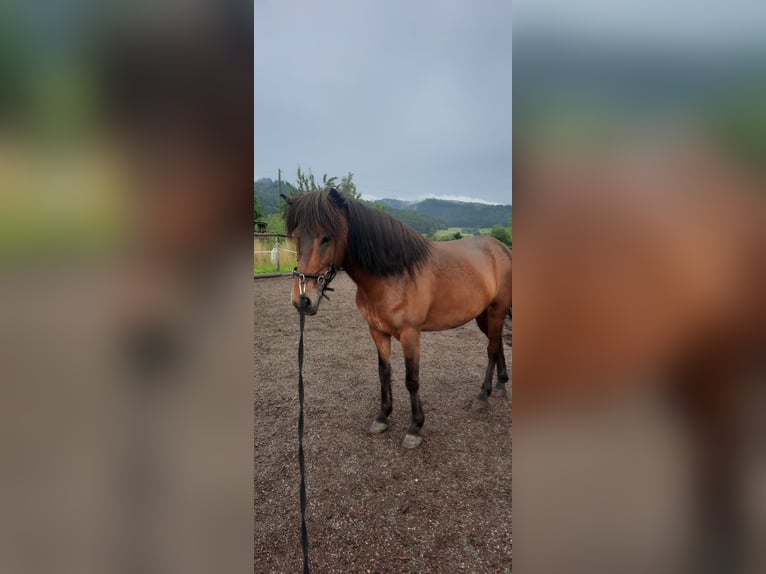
point(323, 279)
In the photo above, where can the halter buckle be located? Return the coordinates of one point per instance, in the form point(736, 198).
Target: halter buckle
point(323, 280)
point(301, 284)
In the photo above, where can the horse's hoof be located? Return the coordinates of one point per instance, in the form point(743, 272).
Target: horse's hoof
point(412, 441)
point(500, 392)
point(479, 404)
point(378, 427)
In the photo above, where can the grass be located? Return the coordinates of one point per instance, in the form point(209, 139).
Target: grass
point(269, 268)
point(449, 233)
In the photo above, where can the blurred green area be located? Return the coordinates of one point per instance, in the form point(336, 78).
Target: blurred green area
point(739, 125)
point(60, 190)
point(573, 94)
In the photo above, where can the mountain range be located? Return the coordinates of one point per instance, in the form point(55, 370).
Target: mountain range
point(455, 213)
point(425, 215)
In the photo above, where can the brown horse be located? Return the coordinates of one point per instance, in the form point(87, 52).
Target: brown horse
point(405, 284)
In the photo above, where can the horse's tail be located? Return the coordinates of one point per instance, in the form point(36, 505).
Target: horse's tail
point(507, 328)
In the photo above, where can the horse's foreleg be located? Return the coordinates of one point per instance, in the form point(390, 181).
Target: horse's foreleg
point(383, 344)
point(410, 341)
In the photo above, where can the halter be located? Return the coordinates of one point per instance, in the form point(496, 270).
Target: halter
point(323, 279)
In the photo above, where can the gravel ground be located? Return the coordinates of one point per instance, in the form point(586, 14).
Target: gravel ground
point(373, 506)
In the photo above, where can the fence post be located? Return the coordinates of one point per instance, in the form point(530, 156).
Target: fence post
point(275, 253)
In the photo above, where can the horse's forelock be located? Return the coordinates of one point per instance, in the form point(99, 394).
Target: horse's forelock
point(317, 213)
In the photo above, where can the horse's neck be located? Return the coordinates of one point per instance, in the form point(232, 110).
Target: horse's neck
point(356, 274)
point(364, 280)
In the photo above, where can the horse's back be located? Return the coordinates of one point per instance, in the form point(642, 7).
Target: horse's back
point(474, 272)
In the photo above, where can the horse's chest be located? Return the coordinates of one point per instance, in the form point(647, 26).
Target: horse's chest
point(375, 318)
point(384, 315)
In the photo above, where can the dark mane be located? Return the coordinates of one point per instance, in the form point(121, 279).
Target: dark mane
point(381, 244)
point(315, 212)
point(377, 242)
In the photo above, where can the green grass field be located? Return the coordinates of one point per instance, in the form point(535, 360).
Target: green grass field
point(262, 256)
point(263, 269)
point(449, 232)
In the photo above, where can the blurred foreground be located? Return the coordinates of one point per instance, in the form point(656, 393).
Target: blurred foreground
point(640, 290)
point(640, 325)
point(125, 287)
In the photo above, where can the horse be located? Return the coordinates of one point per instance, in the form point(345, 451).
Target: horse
point(406, 284)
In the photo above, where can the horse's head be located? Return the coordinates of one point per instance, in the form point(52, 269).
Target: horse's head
point(318, 223)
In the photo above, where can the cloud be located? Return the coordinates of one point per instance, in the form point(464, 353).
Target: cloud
point(415, 97)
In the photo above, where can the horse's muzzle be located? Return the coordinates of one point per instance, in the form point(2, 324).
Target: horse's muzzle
point(305, 304)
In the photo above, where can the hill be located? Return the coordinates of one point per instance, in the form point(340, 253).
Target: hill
point(455, 213)
point(426, 216)
point(395, 203)
point(421, 221)
point(463, 214)
point(268, 195)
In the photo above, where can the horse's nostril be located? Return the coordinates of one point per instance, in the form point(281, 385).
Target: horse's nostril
point(305, 302)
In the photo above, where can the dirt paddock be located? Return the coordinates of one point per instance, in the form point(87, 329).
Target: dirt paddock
point(373, 506)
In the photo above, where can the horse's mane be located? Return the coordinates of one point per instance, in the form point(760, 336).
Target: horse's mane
point(378, 243)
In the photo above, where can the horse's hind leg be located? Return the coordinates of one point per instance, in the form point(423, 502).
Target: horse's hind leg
point(502, 370)
point(491, 323)
point(383, 344)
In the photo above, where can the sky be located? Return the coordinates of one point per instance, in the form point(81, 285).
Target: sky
point(413, 98)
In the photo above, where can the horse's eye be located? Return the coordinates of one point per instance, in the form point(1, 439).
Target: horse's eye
point(325, 240)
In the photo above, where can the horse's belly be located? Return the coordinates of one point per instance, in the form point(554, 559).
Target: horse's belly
point(442, 317)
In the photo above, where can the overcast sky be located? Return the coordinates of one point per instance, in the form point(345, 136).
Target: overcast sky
point(414, 98)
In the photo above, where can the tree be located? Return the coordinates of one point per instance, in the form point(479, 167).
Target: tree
point(502, 234)
point(306, 183)
point(348, 188)
point(257, 213)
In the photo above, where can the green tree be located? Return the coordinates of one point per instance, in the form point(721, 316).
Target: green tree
point(457, 235)
point(348, 188)
point(306, 182)
point(503, 234)
point(276, 223)
point(257, 212)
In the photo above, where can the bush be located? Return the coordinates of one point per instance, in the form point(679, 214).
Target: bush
point(503, 234)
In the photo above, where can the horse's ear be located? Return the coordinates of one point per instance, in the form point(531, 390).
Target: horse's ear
point(287, 199)
point(337, 198)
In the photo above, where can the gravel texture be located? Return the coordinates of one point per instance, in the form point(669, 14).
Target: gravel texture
point(373, 506)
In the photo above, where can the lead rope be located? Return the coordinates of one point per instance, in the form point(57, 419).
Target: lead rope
point(301, 462)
